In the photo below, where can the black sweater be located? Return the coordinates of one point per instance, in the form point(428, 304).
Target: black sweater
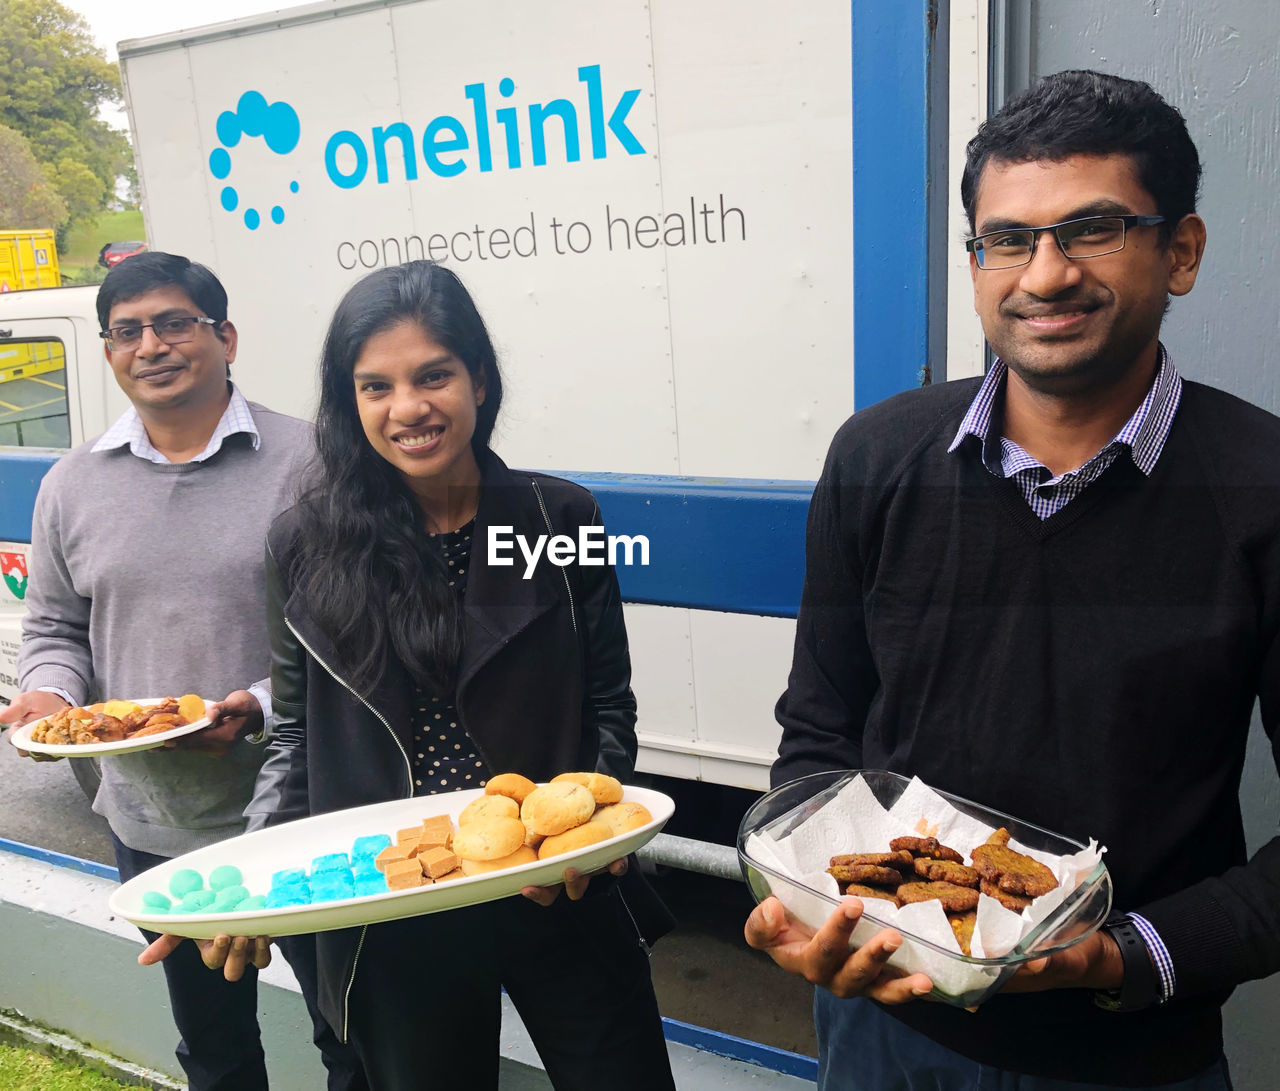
point(1094, 673)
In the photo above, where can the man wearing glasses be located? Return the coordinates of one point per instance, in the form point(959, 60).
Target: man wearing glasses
point(1055, 591)
point(147, 579)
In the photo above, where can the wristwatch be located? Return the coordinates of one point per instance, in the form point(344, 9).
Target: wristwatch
point(1141, 985)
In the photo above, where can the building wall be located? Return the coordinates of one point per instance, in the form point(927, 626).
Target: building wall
point(1218, 61)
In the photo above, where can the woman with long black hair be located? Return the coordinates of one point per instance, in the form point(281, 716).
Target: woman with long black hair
point(403, 663)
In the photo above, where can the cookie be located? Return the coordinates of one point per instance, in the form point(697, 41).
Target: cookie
point(554, 808)
point(488, 838)
point(864, 892)
point(865, 873)
point(946, 871)
point(604, 789)
point(623, 817)
point(589, 833)
point(954, 898)
point(925, 846)
point(489, 807)
point(1016, 902)
point(899, 860)
point(1013, 872)
point(512, 785)
point(962, 925)
point(523, 855)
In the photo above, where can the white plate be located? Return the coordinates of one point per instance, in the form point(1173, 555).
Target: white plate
point(21, 738)
point(296, 844)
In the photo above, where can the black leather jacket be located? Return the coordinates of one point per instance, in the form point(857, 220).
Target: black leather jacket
point(544, 686)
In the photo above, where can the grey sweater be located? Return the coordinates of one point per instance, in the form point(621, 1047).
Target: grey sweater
point(147, 581)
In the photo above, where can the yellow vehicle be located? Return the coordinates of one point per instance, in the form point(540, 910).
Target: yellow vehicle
point(29, 259)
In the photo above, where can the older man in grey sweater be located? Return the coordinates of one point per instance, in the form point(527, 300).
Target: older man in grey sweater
point(147, 579)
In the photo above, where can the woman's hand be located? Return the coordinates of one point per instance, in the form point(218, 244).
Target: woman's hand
point(575, 884)
point(231, 956)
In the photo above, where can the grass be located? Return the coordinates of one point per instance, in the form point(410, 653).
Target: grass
point(79, 259)
point(24, 1070)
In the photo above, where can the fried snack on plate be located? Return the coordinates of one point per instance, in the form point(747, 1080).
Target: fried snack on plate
point(858, 890)
point(1016, 902)
point(121, 709)
point(962, 925)
point(865, 873)
point(899, 860)
point(191, 707)
point(947, 871)
point(925, 846)
point(153, 728)
point(1000, 837)
point(955, 899)
point(1012, 871)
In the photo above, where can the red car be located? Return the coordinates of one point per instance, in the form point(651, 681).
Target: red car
point(115, 252)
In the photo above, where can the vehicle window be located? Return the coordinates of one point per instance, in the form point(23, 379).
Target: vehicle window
point(33, 394)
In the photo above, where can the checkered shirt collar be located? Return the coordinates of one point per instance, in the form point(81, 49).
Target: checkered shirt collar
point(1144, 433)
point(128, 431)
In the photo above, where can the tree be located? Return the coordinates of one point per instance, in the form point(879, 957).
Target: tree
point(27, 197)
point(53, 79)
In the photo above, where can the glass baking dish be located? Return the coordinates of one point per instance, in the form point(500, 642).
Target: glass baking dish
point(959, 979)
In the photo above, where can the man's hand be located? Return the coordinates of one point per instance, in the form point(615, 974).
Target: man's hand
point(823, 957)
point(575, 884)
point(34, 705)
point(1093, 963)
point(224, 953)
point(236, 715)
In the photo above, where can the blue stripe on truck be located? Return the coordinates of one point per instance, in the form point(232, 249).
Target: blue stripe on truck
point(731, 544)
point(20, 475)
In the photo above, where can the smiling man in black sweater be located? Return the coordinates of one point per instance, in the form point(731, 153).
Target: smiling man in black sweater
point(1056, 591)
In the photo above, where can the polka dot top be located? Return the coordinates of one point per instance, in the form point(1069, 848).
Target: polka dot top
point(444, 757)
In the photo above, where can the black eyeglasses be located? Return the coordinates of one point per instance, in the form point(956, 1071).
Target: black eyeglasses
point(172, 331)
point(1087, 237)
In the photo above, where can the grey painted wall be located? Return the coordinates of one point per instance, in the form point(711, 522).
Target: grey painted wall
point(1218, 61)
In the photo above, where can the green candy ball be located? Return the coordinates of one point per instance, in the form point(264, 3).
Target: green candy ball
point(224, 876)
point(185, 882)
point(196, 900)
point(155, 902)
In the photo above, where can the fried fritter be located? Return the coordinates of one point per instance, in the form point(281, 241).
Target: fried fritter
point(962, 925)
point(1000, 837)
point(899, 860)
point(955, 899)
point(926, 846)
point(1013, 872)
point(947, 871)
point(1016, 902)
point(865, 873)
point(858, 890)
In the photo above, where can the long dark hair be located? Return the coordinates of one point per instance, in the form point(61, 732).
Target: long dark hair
point(374, 583)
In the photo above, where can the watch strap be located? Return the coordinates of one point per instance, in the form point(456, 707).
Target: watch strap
point(1141, 985)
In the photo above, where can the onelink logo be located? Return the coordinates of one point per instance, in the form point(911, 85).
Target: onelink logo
point(277, 124)
point(490, 129)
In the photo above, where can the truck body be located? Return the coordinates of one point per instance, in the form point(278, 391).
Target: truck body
point(28, 259)
point(654, 204)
